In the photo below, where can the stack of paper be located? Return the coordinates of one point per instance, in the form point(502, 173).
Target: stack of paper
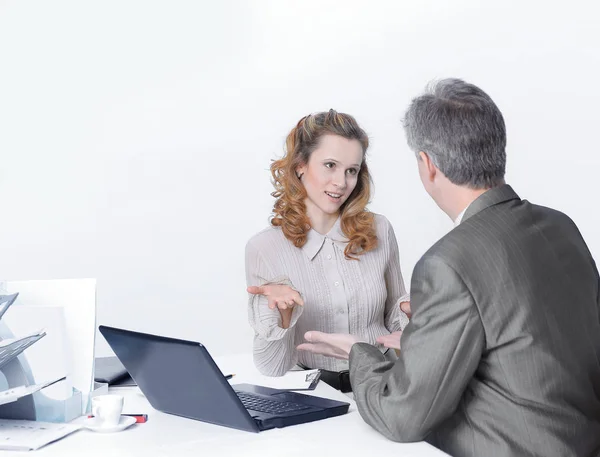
point(66, 309)
point(12, 347)
point(6, 301)
point(14, 393)
point(20, 435)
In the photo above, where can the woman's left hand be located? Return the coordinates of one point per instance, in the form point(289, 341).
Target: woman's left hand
point(405, 307)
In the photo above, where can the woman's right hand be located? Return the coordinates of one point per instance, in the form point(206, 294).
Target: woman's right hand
point(282, 297)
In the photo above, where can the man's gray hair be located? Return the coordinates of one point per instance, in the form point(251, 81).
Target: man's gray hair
point(462, 130)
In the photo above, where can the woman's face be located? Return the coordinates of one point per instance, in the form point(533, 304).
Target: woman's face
point(331, 174)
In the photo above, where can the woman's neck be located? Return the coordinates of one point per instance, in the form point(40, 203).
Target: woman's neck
point(320, 221)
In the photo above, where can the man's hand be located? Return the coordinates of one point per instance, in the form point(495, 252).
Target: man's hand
point(337, 345)
point(278, 296)
point(390, 341)
point(405, 307)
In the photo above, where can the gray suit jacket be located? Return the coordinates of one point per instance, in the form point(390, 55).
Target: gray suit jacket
point(502, 354)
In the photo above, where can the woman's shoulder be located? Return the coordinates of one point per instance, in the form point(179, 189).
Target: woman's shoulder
point(382, 224)
point(266, 237)
point(385, 231)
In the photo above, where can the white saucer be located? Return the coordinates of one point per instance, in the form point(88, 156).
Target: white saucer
point(91, 423)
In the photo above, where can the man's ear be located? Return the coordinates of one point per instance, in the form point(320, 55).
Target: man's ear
point(429, 165)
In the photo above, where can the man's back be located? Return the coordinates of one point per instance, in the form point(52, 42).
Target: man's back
point(502, 354)
point(536, 389)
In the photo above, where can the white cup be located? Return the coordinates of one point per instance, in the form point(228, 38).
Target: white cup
point(107, 409)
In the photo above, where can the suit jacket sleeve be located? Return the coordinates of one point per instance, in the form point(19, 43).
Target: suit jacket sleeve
point(598, 293)
point(441, 349)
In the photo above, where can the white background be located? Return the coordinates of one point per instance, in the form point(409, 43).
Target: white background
point(136, 136)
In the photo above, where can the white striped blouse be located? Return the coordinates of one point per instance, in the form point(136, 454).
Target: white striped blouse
point(360, 297)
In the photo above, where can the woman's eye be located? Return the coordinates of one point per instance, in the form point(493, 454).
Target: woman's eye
point(329, 164)
point(352, 171)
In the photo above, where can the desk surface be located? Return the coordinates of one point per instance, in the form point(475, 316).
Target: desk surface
point(167, 435)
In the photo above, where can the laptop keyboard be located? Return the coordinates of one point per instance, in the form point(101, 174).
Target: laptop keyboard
point(264, 405)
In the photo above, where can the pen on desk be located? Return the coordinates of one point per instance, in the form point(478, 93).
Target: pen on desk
point(229, 376)
point(139, 418)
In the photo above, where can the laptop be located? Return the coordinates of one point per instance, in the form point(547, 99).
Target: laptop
point(110, 370)
point(180, 377)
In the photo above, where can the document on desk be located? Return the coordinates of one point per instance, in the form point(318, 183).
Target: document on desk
point(21, 435)
point(294, 380)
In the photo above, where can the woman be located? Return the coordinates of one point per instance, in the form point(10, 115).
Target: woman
point(324, 243)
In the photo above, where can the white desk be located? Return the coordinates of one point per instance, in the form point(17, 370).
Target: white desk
point(167, 435)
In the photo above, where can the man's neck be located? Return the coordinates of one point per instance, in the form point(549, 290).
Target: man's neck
point(462, 197)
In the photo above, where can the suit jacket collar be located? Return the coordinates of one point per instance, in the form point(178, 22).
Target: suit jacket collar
point(492, 197)
point(315, 241)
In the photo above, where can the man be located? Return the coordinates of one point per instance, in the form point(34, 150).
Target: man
point(502, 354)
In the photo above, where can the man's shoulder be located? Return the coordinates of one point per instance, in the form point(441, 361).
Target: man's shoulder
point(513, 211)
point(551, 213)
point(490, 230)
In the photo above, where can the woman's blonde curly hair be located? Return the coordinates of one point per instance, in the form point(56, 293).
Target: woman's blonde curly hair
point(289, 211)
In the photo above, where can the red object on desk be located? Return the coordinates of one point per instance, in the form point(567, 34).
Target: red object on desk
point(139, 418)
